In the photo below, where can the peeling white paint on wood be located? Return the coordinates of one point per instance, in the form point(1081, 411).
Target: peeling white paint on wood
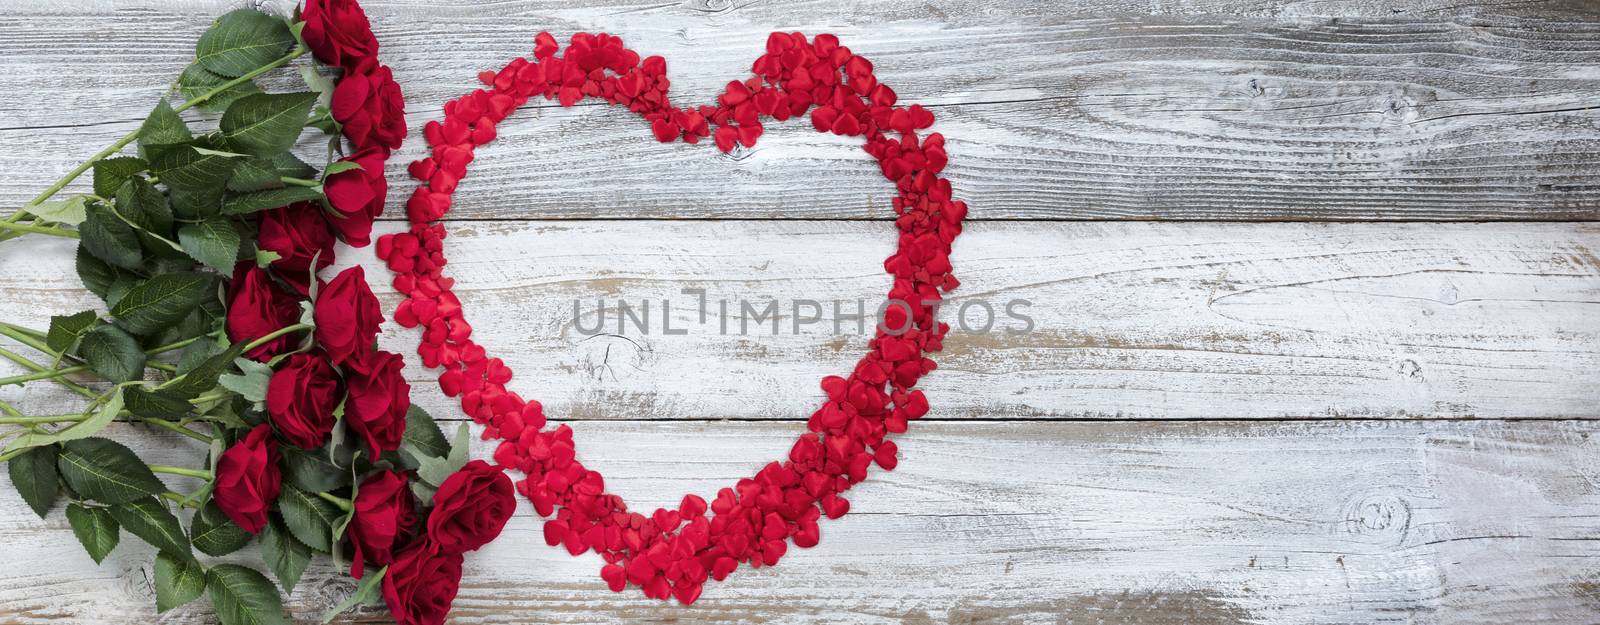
point(1147, 110)
point(1128, 462)
point(1458, 523)
point(1133, 320)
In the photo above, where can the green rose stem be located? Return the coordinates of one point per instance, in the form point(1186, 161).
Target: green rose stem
point(30, 420)
point(22, 335)
point(299, 182)
point(344, 504)
point(84, 391)
point(32, 338)
point(187, 501)
point(15, 230)
point(41, 373)
point(11, 222)
point(204, 475)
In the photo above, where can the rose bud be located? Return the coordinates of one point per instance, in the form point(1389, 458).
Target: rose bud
point(383, 514)
point(367, 102)
point(471, 507)
point(297, 233)
point(357, 195)
point(248, 479)
point(301, 399)
point(421, 584)
point(347, 316)
point(256, 308)
point(338, 33)
point(379, 398)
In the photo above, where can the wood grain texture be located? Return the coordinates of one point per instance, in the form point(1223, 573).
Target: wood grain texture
point(1459, 523)
point(1133, 320)
point(1211, 423)
point(1055, 110)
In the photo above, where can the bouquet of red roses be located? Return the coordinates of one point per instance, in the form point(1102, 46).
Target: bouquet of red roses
point(206, 247)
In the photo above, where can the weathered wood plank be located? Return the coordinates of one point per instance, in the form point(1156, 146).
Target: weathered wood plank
point(1457, 523)
point(1254, 110)
point(1132, 320)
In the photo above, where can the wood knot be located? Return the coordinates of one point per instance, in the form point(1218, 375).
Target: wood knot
point(712, 6)
point(1379, 517)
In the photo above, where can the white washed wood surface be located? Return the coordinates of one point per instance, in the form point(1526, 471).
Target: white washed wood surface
point(1419, 109)
point(1133, 320)
point(1212, 424)
point(1170, 523)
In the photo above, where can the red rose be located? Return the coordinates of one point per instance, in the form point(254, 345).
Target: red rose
point(358, 195)
point(367, 102)
point(379, 398)
point(297, 233)
point(248, 479)
point(471, 507)
point(383, 513)
point(301, 398)
point(347, 316)
point(421, 584)
point(256, 308)
point(338, 32)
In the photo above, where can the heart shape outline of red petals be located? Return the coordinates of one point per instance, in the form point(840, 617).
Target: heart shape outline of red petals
point(672, 553)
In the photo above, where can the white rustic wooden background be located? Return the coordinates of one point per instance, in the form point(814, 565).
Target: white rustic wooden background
point(1316, 285)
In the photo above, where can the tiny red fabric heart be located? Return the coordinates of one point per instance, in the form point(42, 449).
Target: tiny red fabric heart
point(672, 553)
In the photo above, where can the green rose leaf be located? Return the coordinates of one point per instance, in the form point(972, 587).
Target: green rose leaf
point(178, 581)
point(110, 239)
point(255, 174)
point(161, 301)
point(159, 404)
point(265, 258)
point(423, 438)
point(148, 519)
point(242, 41)
point(95, 529)
point(243, 596)
point(318, 82)
point(308, 517)
point(188, 167)
point(286, 556)
point(252, 383)
point(95, 274)
point(194, 355)
point(105, 471)
point(163, 127)
point(34, 476)
point(245, 203)
point(112, 353)
point(197, 81)
point(339, 167)
point(433, 470)
point(120, 287)
point(266, 123)
point(196, 175)
point(203, 376)
point(200, 322)
point(291, 166)
point(145, 206)
point(214, 534)
point(110, 173)
point(67, 330)
point(312, 472)
point(369, 592)
point(72, 210)
point(214, 242)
